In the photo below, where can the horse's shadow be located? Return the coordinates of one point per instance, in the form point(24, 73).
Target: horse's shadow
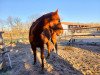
point(61, 66)
point(22, 61)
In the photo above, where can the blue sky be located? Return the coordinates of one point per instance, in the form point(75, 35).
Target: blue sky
point(69, 10)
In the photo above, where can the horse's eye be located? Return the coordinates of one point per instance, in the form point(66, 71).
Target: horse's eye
point(58, 20)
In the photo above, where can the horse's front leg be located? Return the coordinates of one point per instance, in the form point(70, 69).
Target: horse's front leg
point(56, 47)
point(50, 47)
point(54, 41)
point(42, 56)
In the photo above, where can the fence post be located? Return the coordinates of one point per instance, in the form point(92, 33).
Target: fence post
point(6, 61)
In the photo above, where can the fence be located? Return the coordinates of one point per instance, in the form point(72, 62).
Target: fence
point(81, 35)
point(85, 34)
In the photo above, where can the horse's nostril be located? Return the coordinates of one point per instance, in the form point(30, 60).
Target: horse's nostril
point(62, 31)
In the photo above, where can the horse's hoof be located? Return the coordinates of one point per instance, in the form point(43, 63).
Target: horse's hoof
point(52, 50)
point(9, 68)
point(42, 71)
point(57, 52)
point(48, 57)
point(34, 63)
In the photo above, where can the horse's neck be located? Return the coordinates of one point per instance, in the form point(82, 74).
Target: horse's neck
point(39, 25)
point(36, 28)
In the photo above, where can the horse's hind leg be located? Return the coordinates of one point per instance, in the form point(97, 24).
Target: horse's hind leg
point(42, 56)
point(48, 47)
point(34, 52)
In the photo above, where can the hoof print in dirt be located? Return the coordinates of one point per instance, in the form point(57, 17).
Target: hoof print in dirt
point(5, 69)
point(41, 72)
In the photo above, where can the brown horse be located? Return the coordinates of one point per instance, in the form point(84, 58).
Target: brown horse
point(40, 32)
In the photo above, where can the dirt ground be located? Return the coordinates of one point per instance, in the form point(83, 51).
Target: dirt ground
point(70, 60)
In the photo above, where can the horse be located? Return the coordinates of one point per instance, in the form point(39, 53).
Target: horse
point(56, 31)
point(40, 32)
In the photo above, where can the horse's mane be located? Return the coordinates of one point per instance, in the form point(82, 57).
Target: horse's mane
point(39, 20)
point(47, 15)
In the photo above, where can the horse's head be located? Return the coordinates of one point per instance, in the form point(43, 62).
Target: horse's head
point(58, 29)
point(55, 23)
point(52, 21)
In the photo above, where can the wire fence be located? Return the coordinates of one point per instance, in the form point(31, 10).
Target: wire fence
point(81, 36)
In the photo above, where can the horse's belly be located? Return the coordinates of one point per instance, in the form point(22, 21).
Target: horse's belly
point(38, 42)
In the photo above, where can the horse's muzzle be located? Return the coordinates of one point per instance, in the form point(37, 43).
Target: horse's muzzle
point(60, 32)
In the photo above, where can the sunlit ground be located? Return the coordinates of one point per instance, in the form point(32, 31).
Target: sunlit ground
point(71, 60)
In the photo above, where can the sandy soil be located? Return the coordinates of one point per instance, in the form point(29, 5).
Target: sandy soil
point(70, 60)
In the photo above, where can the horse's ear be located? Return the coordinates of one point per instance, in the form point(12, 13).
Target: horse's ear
point(56, 11)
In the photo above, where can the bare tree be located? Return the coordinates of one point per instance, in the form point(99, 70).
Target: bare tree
point(10, 22)
point(19, 27)
point(17, 22)
point(1, 25)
